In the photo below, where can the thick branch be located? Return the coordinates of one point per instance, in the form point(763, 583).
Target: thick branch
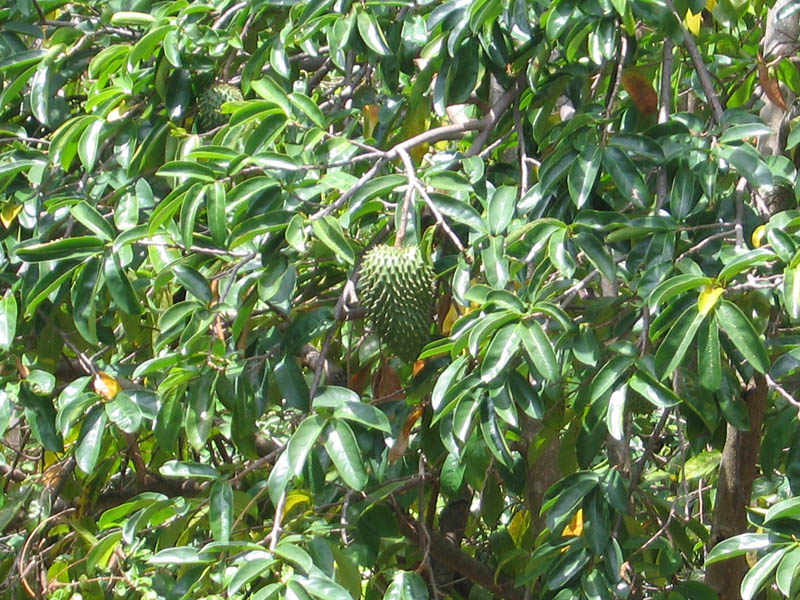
point(451, 556)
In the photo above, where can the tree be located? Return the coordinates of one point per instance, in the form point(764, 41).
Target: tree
point(196, 404)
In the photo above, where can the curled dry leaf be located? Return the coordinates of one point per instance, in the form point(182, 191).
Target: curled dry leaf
point(401, 443)
point(770, 85)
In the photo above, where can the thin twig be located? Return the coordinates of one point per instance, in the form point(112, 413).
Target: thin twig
point(665, 104)
point(275, 534)
point(699, 66)
point(705, 242)
point(341, 200)
point(523, 153)
point(741, 186)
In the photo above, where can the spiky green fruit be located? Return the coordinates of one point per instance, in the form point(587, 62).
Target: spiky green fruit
point(208, 113)
point(397, 289)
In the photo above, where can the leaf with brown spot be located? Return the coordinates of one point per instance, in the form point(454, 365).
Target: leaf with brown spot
point(641, 91)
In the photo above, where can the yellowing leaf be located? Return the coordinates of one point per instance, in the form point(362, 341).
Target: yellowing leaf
point(710, 4)
point(758, 236)
point(575, 526)
point(9, 213)
point(519, 526)
point(708, 299)
point(449, 319)
point(693, 22)
point(106, 386)
point(370, 113)
point(294, 499)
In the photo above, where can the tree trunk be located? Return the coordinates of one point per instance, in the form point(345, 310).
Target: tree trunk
point(736, 475)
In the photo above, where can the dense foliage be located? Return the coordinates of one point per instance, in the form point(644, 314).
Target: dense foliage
point(195, 404)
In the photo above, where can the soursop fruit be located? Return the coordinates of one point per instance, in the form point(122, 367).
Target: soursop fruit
point(397, 289)
point(208, 113)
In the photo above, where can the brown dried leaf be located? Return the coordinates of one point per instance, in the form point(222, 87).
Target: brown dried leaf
point(358, 380)
point(386, 384)
point(641, 91)
point(771, 86)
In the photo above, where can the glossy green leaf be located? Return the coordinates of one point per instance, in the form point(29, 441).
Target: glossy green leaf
point(741, 332)
point(120, 287)
point(8, 321)
point(708, 358)
point(220, 510)
point(371, 33)
point(539, 349)
point(676, 343)
point(330, 233)
point(583, 174)
point(757, 577)
point(502, 349)
point(738, 545)
point(73, 247)
point(90, 439)
point(342, 448)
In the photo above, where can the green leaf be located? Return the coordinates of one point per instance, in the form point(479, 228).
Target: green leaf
point(124, 413)
point(185, 170)
point(301, 442)
point(757, 577)
point(269, 89)
point(83, 295)
point(194, 282)
point(626, 176)
point(539, 349)
point(342, 447)
point(73, 247)
point(745, 261)
point(501, 208)
point(674, 346)
point(738, 545)
point(608, 375)
point(786, 509)
point(371, 33)
point(615, 415)
point(215, 209)
point(247, 572)
point(583, 174)
point(741, 332)
point(406, 585)
point(188, 470)
point(652, 390)
point(323, 588)
point(200, 410)
point(307, 106)
point(365, 414)
point(220, 511)
point(747, 161)
point(737, 133)
point(597, 255)
point(181, 555)
point(120, 287)
point(330, 233)
point(708, 358)
point(502, 349)
point(89, 143)
point(785, 574)
point(791, 291)
point(90, 439)
point(8, 321)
